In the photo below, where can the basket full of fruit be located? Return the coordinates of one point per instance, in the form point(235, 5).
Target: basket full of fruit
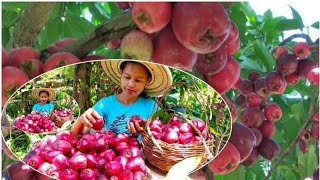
point(60, 116)
point(180, 137)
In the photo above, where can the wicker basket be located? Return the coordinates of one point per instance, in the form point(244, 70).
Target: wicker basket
point(59, 121)
point(163, 155)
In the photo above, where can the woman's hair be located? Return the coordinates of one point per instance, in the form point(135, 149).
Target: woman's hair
point(47, 94)
point(125, 63)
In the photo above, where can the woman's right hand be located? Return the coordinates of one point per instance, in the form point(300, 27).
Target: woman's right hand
point(89, 117)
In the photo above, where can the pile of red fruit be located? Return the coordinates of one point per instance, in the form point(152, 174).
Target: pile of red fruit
point(252, 137)
point(89, 156)
point(176, 131)
point(34, 123)
point(62, 112)
point(60, 116)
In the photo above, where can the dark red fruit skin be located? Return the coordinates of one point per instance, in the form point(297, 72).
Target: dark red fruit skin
point(258, 136)
point(301, 49)
point(267, 129)
point(58, 60)
point(61, 161)
point(226, 161)
point(313, 76)
point(253, 76)
point(232, 43)
point(304, 67)
point(78, 162)
point(68, 174)
point(151, 17)
point(169, 51)
point(315, 130)
point(253, 100)
point(243, 138)
point(279, 51)
point(303, 146)
point(122, 5)
point(287, 64)
point(35, 161)
point(268, 148)
point(33, 67)
point(275, 83)
point(19, 55)
point(188, 25)
point(252, 158)
point(63, 146)
point(240, 101)
point(260, 87)
point(211, 63)
point(292, 78)
point(88, 174)
point(98, 125)
point(226, 78)
point(126, 175)
point(316, 174)
point(251, 117)
point(19, 170)
point(304, 134)
point(272, 112)
point(5, 58)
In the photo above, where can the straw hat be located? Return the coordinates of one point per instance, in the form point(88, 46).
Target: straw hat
point(161, 75)
point(52, 93)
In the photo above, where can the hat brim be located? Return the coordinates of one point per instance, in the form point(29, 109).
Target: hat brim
point(52, 93)
point(161, 75)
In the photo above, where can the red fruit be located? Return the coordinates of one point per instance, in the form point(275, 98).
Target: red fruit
point(175, 121)
point(101, 176)
point(155, 128)
point(304, 134)
point(170, 137)
point(253, 100)
point(12, 79)
point(292, 78)
point(268, 148)
point(101, 162)
point(5, 59)
point(138, 175)
point(186, 138)
point(226, 161)
point(65, 135)
point(185, 128)
point(275, 83)
point(272, 112)
point(88, 174)
point(240, 101)
point(62, 145)
point(232, 43)
point(279, 51)
point(168, 51)
point(251, 117)
point(156, 135)
point(60, 44)
point(156, 122)
point(61, 161)
point(115, 177)
point(137, 118)
point(199, 124)
point(59, 60)
point(134, 143)
point(243, 138)
point(126, 153)
point(258, 136)
point(316, 116)
point(35, 161)
point(313, 76)
point(304, 67)
point(91, 161)
point(135, 164)
point(68, 174)
point(19, 55)
point(287, 64)
point(126, 175)
point(109, 155)
point(201, 35)
point(122, 160)
point(122, 5)
point(253, 76)
point(211, 63)
point(93, 57)
point(136, 45)
point(301, 49)
point(51, 154)
point(151, 17)
point(252, 158)
point(98, 125)
point(267, 129)
point(226, 78)
point(19, 170)
point(78, 162)
point(114, 43)
point(112, 168)
point(260, 87)
point(303, 146)
point(135, 151)
point(123, 137)
point(85, 145)
point(315, 130)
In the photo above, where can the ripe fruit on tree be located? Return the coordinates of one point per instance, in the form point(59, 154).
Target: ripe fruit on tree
point(58, 60)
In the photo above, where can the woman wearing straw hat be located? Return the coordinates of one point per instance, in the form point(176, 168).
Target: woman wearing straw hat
point(44, 96)
point(137, 80)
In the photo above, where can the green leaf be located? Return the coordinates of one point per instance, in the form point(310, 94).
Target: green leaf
point(316, 25)
point(238, 174)
point(264, 54)
point(307, 162)
point(249, 12)
point(250, 64)
point(297, 17)
point(5, 36)
point(14, 6)
point(288, 24)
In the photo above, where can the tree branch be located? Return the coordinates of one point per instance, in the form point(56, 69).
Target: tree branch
point(294, 36)
point(31, 22)
point(118, 26)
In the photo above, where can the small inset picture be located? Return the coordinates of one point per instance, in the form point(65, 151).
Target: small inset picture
point(41, 110)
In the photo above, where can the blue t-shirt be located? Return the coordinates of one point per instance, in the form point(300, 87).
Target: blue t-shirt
point(47, 107)
point(117, 115)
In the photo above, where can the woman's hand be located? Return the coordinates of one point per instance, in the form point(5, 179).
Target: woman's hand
point(89, 117)
point(134, 128)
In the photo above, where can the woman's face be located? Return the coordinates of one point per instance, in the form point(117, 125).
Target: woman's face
point(134, 78)
point(43, 97)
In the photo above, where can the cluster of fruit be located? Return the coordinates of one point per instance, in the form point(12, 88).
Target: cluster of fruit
point(252, 137)
point(176, 131)
point(34, 123)
point(89, 156)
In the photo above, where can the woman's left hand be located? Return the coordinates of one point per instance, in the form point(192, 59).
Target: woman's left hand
point(134, 128)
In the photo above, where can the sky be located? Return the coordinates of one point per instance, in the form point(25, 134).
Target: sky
point(308, 11)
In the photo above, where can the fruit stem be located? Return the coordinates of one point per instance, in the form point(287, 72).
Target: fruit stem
point(294, 36)
point(312, 110)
